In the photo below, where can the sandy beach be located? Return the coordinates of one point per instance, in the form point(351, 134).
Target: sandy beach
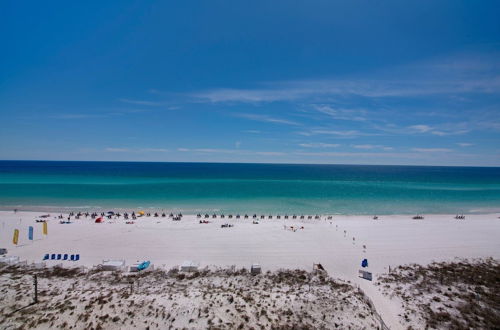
point(338, 244)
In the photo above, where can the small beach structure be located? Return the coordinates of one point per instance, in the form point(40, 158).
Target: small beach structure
point(140, 266)
point(189, 266)
point(112, 264)
point(3, 251)
point(9, 260)
point(365, 275)
point(255, 269)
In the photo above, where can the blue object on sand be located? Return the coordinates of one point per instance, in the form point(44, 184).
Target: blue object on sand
point(143, 265)
point(53, 256)
point(46, 257)
point(72, 257)
point(65, 257)
point(77, 257)
point(364, 263)
point(59, 256)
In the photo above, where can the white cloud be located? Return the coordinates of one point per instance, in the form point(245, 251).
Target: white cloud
point(441, 130)
point(153, 150)
point(341, 113)
point(319, 145)
point(457, 74)
point(266, 119)
point(270, 153)
point(232, 151)
point(143, 102)
point(463, 144)
point(421, 128)
point(135, 150)
point(432, 150)
point(338, 133)
point(371, 146)
point(117, 150)
point(78, 116)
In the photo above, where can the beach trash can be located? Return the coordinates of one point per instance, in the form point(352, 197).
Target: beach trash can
point(255, 269)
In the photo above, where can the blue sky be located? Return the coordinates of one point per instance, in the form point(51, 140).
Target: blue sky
point(356, 82)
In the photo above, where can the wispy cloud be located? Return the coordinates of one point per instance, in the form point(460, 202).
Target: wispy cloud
point(456, 74)
point(455, 129)
point(341, 113)
point(252, 131)
point(266, 119)
point(420, 128)
point(464, 144)
point(376, 155)
point(432, 150)
point(76, 116)
point(135, 150)
point(231, 151)
point(338, 133)
point(143, 102)
point(319, 145)
point(372, 146)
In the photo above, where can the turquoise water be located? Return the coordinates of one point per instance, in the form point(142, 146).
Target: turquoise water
point(248, 188)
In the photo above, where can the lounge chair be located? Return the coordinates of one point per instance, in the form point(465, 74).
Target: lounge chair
point(65, 257)
point(46, 257)
point(53, 256)
point(77, 257)
point(59, 256)
point(72, 257)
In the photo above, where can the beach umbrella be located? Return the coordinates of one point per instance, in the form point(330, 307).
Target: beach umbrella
point(141, 212)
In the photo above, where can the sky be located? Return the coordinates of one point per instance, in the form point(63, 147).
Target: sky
point(329, 82)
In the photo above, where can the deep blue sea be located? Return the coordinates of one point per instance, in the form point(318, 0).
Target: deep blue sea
point(248, 188)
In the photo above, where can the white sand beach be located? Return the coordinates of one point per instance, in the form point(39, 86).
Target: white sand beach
point(338, 244)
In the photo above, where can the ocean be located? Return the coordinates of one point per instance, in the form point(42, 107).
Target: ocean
point(248, 188)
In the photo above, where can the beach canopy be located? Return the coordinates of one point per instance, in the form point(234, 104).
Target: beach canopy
point(141, 212)
point(99, 220)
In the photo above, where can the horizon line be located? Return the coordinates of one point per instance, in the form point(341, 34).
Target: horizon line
point(249, 163)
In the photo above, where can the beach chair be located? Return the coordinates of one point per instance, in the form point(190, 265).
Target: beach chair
point(65, 257)
point(46, 257)
point(53, 256)
point(72, 257)
point(59, 256)
point(77, 257)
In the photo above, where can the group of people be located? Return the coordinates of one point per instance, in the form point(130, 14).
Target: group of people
point(293, 228)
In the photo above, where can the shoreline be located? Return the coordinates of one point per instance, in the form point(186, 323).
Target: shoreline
point(99, 209)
